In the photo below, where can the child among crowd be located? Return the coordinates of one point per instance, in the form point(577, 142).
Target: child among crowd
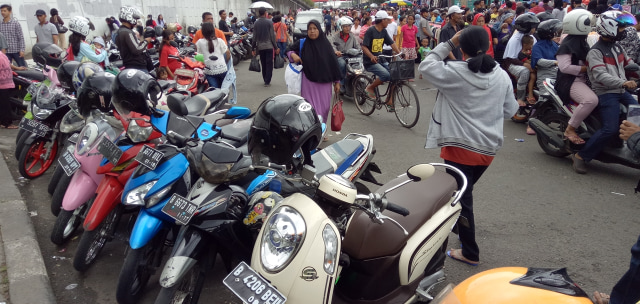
point(423, 50)
point(525, 57)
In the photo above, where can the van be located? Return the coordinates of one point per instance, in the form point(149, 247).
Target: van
point(302, 19)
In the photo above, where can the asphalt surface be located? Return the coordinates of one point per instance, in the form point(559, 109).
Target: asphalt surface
point(531, 209)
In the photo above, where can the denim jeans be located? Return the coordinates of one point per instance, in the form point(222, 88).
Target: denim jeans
point(380, 69)
point(626, 290)
point(283, 48)
point(19, 60)
point(609, 107)
point(215, 81)
point(342, 64)
point(467, 235)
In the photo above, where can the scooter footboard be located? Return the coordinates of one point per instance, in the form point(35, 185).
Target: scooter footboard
point(187, 250)
point(145, 228)
point(80, 189)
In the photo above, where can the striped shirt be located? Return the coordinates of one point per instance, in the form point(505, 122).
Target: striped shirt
point(13, 33)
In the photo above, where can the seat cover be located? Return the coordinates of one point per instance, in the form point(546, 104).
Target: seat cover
point(337, 157)
point(32, 74)
point(365, 239)
point(214, 96)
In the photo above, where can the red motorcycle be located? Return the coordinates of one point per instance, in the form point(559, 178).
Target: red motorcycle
point(190, 78)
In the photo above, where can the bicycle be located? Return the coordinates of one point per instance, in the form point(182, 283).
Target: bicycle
point(407, 110)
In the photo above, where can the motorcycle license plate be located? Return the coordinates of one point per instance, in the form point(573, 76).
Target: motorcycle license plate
point(251, 288)
point(69, 163)
point(350, 60)
point(149, 157)
point(109, 150)
point(180, 209)
point(34, 126)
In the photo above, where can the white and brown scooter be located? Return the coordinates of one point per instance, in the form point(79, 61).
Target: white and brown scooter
point(342, 247)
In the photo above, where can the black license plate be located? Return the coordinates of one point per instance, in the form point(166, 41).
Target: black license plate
point(69, 163)
point(180, 209)
point(109, 150)
point(149, 157)
point(34, 126)
point(74, 138)
point(251, 288)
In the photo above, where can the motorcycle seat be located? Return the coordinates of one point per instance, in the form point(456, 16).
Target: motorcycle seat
point(197, 105)
point(337, 157)
point(215, 96)
point(365, 239)
point(32, 74)
point(236, 134)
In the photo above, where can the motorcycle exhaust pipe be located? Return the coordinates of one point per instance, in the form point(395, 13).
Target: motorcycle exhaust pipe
point(554, 137)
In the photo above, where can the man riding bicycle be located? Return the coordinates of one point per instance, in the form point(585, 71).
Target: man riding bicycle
point(341, 42)
point(375, 37)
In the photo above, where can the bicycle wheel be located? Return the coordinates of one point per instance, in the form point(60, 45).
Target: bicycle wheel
point(365, 104)
point(406, 105)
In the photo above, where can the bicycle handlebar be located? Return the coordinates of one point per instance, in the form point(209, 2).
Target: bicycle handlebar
point(396, 55)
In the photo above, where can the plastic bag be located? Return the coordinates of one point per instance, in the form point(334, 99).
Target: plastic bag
point(279, 62)
point(255, 64)
point(337, 115)
point(293, 78)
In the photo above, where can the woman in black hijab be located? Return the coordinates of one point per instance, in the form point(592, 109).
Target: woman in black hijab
point(319, 67)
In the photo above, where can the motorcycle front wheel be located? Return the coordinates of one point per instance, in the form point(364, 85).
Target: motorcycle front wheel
point(137, 269)
point(92, 242)
point(188, 290)
point(59, 192)
point(67, 223)
point(35, 159)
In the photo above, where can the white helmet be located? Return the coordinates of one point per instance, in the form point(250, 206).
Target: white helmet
point(578, 22)
point(79, 25)
point(129, 14)
point(609, 22)
point(344, 21)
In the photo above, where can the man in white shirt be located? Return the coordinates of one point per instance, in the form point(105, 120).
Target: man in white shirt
point(392, 29)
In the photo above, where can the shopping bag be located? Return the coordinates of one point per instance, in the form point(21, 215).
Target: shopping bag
point(293, 78)
point(279, 62)
point(255, 64)
point(337, 116)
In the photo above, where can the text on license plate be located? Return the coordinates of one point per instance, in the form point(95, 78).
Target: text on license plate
point(251, 288)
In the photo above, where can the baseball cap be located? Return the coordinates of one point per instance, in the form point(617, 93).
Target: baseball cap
point(616, 7)
point(437, 12)
point(454, 9)
point(40, 12)
point(382, 15)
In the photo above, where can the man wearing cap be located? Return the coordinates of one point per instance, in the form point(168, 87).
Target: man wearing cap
point(46, 32)
point(375, 37)
point(425, 28)
point(450, 29)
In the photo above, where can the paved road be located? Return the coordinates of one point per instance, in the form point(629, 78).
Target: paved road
point(531, 209)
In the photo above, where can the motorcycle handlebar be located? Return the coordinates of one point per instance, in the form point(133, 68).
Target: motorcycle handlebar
point(177, 139)
point(397, 209)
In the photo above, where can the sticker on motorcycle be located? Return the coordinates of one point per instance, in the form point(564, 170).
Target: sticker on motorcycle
point(109, 150)
point(69, 163)
point(251, 288)
point(180, 209)
point(34, 126)
point(149, 157)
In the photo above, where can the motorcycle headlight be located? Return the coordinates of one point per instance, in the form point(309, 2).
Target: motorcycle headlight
point(155, 198)
point(282, 238)
point(86, 139)
point(40, 114)
point(136, 196)
point(330, 249)
point(138, 133)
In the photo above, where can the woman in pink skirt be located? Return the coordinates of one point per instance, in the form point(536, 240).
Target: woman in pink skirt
point(408, 40)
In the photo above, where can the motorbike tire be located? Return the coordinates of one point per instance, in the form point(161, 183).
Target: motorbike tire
point(522, 115)
point(92, 242)
point(55, 179)
point(554, 121)
point(236, 59)
point(137, 270)
point(20, 132)
point(58, 194)
point(188, 290)
point(66, 224)
point(31, 155)
point(22, 137)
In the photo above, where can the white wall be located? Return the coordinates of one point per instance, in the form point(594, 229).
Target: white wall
point(187, 12)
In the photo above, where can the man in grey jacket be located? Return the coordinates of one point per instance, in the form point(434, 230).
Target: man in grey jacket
point(264, 42)
point(341, 42)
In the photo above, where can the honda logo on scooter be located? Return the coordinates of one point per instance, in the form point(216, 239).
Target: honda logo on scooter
point(309, 274)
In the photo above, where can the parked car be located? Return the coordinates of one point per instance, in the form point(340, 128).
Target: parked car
point(302, 19)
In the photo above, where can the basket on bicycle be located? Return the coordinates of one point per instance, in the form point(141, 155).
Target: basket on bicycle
point(402, 69)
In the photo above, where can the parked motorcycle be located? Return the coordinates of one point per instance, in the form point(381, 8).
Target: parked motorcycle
point(355, 67)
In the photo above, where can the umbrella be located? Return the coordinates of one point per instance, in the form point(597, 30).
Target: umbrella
point(398, 3)
point(259, 4)
point(373, 5)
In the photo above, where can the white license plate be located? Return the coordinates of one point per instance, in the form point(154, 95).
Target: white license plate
point(251, 288)
point(354, 60)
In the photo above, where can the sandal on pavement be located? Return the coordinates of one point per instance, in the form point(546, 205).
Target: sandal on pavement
point(11, 127)
point(456, 254)
point(390, 108)
point(574, 139)
point(601, 298)
point(530, 131)
point(579, 165)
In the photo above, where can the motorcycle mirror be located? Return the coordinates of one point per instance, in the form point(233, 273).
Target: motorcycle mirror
point(633, 67)
point(420, 172)
point(177, 106)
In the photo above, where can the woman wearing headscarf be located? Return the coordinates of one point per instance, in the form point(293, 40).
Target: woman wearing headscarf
point(479, 20)
point(503, 27)
point(468, 141)
point(320, 71)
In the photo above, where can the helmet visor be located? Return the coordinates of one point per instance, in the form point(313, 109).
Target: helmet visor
point(626, 19)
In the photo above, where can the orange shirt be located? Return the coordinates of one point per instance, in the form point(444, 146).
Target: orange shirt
point(219, 34)
point(465, 157)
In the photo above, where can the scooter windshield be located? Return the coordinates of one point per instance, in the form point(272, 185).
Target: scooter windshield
point(47, 97)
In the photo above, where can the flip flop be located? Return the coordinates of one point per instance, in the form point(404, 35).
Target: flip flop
point(390, 108)
point(530, 131)
point(601, 298)
point(574, 139)
point(371, 95)
point(459, 259)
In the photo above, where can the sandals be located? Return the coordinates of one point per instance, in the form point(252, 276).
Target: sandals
point(574, 139)
point(371, 95)
point(10, 127)
point(530, 131)
point(601, 298)
point(390, 108)
point(456, 254)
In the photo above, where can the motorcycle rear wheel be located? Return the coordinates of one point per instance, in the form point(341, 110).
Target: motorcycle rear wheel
point(188, 290)
point(92, 242)
point(67, 223)
point(557, 122)
point(32, 163)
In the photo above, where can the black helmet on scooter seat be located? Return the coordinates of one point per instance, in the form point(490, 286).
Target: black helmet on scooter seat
point(191, 29)
point(95, 93)
point(283, 125)
point(549, 29)
point(135, 91)
point(544, 16)
point(65, 74)
point(526, 22)
point(48, 54)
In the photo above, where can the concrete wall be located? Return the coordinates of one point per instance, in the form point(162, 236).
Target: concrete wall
point(184, 11)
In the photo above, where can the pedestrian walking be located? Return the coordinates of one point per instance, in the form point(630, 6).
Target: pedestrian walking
point(264, 42)
point(46, 32)
point(282, 35)
point(57, 21)
point(468, 141)
point(12, 31)
point(223, 25)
